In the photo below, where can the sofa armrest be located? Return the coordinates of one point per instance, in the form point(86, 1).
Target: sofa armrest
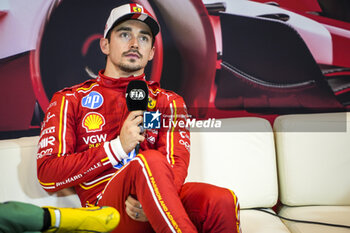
point(18, 176)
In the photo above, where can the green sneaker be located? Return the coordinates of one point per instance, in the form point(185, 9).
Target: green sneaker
point(89, 219)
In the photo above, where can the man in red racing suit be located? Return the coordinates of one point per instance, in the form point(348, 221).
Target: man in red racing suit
point(82, 145)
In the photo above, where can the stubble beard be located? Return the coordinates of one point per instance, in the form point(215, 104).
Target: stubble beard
point(129, 68)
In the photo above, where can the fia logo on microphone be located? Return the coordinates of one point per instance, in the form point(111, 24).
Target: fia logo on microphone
point(137, 94)
point(151, 120)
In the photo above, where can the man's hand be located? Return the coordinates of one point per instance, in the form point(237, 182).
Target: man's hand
point(134, 209)
point(130, 132)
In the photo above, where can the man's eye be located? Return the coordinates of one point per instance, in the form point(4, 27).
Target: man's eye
point(124, 35)
point(144, 38)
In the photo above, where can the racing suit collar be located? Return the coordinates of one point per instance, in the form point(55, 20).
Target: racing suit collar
point(120, 83)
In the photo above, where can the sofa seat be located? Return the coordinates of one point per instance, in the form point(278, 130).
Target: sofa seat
point(339, 215)
point(253, 221)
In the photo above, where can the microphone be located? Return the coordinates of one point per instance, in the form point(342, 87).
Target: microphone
point(137, 99)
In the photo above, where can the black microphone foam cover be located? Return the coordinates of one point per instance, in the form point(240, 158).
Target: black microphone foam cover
point(137, 95)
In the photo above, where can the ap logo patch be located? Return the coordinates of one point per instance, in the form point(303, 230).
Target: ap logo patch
point(93, 100)
point(151, 120)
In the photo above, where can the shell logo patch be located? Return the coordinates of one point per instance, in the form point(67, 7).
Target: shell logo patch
point(93, 122)
point(151, 103)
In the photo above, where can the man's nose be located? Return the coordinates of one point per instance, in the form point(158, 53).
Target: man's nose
point(134, 43)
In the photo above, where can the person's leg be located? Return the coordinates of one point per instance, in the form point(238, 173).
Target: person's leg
point(211, 208)
point(149, 178)
point(89, 219)
point(20, 217)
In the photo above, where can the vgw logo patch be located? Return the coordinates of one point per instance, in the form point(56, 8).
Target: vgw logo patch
point(93, 100)
point(151, 120)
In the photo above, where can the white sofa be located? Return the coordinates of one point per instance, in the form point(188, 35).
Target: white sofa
point(311, 176)
point(313, 154)
point(18, 176)
point(242, 159)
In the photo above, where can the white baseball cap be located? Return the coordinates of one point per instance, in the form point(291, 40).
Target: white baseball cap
point(131, 11)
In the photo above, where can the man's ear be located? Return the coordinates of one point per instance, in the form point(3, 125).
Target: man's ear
point(151, 54)
point(104, 45)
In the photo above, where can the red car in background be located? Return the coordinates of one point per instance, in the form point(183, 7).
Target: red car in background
point(334, 16)
point(280, 57)
point(226, 58)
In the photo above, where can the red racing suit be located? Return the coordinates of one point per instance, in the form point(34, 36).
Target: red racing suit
point(75, 150)
point(81, 120)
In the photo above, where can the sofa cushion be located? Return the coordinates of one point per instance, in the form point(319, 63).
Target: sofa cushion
point(313, 154)
point(241, 157)
point(18, 176)
point(328, 214)
point(253, 221)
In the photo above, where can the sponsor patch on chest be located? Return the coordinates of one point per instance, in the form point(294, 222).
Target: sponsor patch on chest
point(93, 100)
point(93, 122)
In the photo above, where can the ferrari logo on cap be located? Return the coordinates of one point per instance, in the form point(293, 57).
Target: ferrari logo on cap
point(136, 9)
